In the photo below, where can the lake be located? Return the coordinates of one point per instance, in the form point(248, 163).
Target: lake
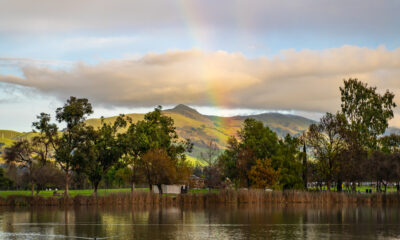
point(245, 222)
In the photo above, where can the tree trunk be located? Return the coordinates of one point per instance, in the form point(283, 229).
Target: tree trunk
point(96, 186)
point(159, 189)
point(328, 185)
point(339, 185)
point(32, 189)
point(353, 187)
point(133, 187)
point(66, 192)
point(398, 186)
point(305, 167)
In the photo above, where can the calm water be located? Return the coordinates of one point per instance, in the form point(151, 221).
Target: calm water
point(272, 222)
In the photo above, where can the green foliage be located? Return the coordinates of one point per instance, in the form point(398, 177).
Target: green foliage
point(256, 142)
point(366, 111)
point(73, 114)
point(261, 140)
point(101, 149)
point(327, 143)
point(155, 131)
point(288, 161)
point(390, 144)
point(5, 183)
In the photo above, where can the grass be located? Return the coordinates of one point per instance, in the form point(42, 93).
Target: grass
point(73, 193)
point(89, 192)
point(363, 189)
point(105, 192)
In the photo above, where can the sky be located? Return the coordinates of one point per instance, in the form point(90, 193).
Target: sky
point(223, 57)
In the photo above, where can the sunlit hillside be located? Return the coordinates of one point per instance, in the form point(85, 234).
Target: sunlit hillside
point(200, 129)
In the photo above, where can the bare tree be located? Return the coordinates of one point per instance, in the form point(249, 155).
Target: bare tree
point(210, 156)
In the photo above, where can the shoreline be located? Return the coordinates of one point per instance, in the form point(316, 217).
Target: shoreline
point(225, 197)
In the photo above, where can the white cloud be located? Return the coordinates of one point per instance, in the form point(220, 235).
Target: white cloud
point(301, 80)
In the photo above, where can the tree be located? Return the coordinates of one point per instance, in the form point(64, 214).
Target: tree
point(262, 174)
point(303, 142)
point(159, 168)
point(101, 149)
point(5, 182)
point(22, 154)
point(47, 176)
point(366, 111)
point(227, 161)
point(156, 131)
point(45, 141)
point(327, 142)
point(259, 138)
point(73, 114)
point(213, 177)
point(288, 162)
point(35, 151)
point(210, 156)
point(390, 143)
point(256, 141)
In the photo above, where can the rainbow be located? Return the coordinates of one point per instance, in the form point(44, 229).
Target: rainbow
point(216, 92)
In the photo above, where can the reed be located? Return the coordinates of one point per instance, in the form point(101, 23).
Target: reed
point(224, 197)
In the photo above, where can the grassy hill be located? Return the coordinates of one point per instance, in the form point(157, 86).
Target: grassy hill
point(201, 128)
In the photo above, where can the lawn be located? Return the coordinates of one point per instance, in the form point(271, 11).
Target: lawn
point(72, 193)
point(102, 192)
point(363, 189)
point(88, 192)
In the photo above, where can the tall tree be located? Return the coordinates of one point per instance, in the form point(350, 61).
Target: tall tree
point(256, 141)
point(102, 149)
point(46, 139)
point(366, 111)
point(210, 155)
point(327, 142)
point(303, 143)
point(155, 131)
point(288, 162)
point(73, 114)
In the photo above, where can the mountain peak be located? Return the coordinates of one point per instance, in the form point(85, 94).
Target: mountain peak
point(187, 112)
point(181, 108)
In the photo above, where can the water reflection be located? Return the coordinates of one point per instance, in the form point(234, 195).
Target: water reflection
point(245, 222)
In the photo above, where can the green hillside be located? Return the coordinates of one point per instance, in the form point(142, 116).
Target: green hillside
point(202, 128)
point(190, 124)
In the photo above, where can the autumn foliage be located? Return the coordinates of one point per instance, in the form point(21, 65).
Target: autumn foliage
point(262, 174)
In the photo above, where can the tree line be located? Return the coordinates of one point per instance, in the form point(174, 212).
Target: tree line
point(342, 149)
point(148, 150)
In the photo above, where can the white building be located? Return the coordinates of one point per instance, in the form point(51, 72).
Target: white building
point(175, 189)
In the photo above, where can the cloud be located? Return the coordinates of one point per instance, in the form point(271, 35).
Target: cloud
point(304, 80)
point(266, 16)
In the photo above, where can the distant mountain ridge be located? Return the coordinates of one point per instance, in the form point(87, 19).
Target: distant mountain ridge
point(202, 128)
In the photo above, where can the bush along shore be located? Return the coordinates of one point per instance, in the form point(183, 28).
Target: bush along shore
point(226, 197)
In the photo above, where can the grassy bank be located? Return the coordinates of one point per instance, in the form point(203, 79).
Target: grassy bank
point(205, 199)
point(86, 192)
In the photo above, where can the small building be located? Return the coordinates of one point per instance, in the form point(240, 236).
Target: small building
point(174, 189)
point(196, 182)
